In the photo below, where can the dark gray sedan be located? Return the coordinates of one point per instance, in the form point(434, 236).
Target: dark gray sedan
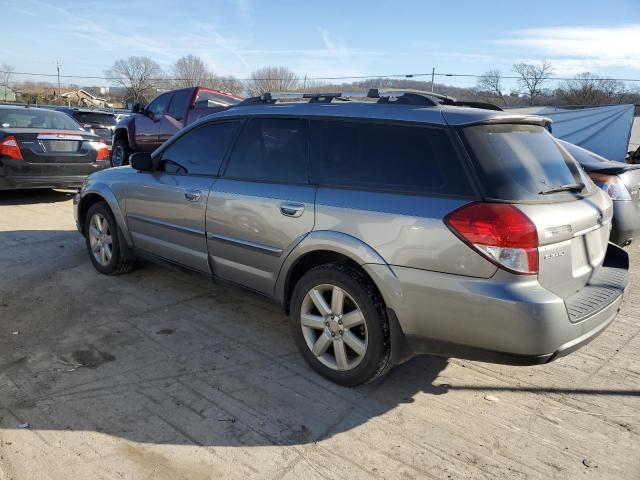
point(622, 182)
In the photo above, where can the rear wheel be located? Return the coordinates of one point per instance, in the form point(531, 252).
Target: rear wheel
point(106, 247)
point(120, 153)
point(339, 324)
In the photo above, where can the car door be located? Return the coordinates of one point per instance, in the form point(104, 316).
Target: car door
point(174, 118)
point(147, 125)
point(166, 208)
point(263, 205)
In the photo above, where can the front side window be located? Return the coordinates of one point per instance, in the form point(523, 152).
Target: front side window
point(523, 162)
point(271, 149)
point(200, 151)
point(161, 104)
point(403, 158)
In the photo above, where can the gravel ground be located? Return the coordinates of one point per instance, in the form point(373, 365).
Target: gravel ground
point(164, 374)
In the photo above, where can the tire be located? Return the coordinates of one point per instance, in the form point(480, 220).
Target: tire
point(120, 153)
point(102, 235)
point(355, 366)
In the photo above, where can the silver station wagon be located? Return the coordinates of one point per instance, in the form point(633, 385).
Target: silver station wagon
point(387, 224)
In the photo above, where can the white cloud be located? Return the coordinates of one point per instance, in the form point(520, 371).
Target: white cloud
point(577, 49)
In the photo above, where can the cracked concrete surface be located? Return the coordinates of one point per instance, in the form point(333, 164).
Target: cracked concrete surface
point(164, 374)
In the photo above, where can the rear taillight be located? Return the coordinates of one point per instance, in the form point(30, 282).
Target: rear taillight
point(9, 147)
point(500, 232)
point(612, 185)
point(102, 151)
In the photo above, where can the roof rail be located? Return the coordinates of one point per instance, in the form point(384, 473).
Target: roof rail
point(383, 96)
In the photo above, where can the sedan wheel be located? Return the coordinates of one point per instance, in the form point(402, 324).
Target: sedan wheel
point(333, 327)
point(100, 239)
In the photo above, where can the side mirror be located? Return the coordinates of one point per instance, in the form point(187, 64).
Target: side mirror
point(141, 161)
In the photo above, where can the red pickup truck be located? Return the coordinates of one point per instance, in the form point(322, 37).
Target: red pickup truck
point(148, 127)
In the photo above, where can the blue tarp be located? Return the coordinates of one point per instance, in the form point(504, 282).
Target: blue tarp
point(603, 130)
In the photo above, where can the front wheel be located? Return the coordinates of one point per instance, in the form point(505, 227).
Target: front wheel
point(106, 247)
point(340, 326)
point(120, 153)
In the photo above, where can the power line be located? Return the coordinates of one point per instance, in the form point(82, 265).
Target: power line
point(344, 77)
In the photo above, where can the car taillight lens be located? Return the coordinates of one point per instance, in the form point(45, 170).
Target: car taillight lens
point(612, 185)
point(9, 147)
point(500, 232)
point(102, 151)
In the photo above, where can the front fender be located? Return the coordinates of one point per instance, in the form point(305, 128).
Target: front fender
point(327, 240)
point(103, 191)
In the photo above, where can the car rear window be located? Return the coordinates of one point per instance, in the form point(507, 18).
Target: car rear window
point(95, 118)
point(517, 162)
point(34, 118)
point(403, 158)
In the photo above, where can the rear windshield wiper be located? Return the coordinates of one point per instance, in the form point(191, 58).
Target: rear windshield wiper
point(569, 187)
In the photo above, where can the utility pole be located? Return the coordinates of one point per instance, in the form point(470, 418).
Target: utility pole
point(58, 66)
point(304, 83)
point(433, 76)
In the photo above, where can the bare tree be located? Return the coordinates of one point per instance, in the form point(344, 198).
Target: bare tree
point(190, 71)
point(532, 77)
point(227, 84)
point(613, 91)
point(491, 84)
point(589, 89)
point(140, 76)
point(6, 72)
point(272, 79)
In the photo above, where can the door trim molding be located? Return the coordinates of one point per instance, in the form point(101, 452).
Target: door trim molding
point(172, 226)
point(261, 247)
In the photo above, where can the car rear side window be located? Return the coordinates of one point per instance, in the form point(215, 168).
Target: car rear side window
point(271, 149)
point(200, 151)
point(402, 158)
point(520, 162)
point(179, 102)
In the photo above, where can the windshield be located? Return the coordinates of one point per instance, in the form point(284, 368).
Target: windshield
point(524, 163)
point(35, 118)
point(95, 118)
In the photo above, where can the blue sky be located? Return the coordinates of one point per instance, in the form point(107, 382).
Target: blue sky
point(336, 38)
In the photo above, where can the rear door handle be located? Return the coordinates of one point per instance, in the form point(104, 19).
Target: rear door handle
point(291, 209)
point(192, 195)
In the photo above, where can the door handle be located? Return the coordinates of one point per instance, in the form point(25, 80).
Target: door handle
point(291, 209)
point(192, 195)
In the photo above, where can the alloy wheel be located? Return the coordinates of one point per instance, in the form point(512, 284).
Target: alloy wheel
point(333, 327)
point(100, 239)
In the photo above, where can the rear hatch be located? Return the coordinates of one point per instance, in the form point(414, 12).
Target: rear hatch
point(523, 165)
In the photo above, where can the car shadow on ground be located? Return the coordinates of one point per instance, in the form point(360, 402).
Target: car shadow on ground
point(34, 196)
point(167, 357)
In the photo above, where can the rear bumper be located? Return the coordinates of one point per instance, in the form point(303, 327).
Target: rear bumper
point(518, 323)
point(19, 174)
point(33, 181)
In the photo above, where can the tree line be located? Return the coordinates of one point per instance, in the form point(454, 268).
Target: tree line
point(141, 79)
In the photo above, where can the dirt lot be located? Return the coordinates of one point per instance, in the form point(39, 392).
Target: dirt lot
point(162, 374)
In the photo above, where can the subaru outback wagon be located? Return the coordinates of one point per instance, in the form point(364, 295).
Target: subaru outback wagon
point(387, 225)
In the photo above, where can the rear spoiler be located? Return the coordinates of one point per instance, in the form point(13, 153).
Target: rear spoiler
point(520, 119)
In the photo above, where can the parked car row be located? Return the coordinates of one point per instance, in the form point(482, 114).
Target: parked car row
point(387, 225)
